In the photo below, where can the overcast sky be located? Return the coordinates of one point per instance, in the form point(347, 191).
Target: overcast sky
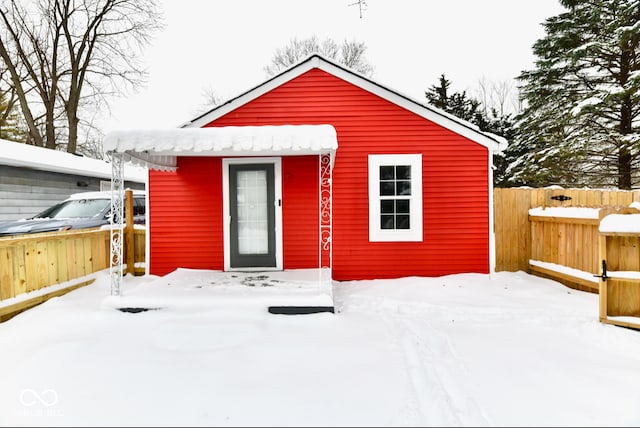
point(225, 45)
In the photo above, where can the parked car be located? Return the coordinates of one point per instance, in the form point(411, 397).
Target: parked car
point(79, 211)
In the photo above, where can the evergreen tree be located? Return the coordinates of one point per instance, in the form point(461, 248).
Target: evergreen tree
point(486, 118)
point(504, 126)
point(9, 118)
point(579, 126)
point(458, 104)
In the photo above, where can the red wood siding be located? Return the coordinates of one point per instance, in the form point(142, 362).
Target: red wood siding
point(186, 215)
point(185, 219)
point(455, 188)
point(300, 211)
point(455, 180)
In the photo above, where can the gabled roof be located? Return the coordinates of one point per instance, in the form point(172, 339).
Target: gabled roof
point(34, 157)
point(493, 142)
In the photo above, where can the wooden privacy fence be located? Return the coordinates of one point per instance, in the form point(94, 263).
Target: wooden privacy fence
point(513, 227)
point(559, 234)
point(620, 276)
point(34, 262)
point(565, 244)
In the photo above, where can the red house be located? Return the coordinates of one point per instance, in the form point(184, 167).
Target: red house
point(319, 167)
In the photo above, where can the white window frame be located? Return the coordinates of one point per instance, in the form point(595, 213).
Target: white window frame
point(414, 233)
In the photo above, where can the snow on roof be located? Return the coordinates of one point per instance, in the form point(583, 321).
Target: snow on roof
point(40, 158)
point(150, 145)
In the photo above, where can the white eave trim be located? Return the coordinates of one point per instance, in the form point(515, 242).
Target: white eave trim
point(493, 142)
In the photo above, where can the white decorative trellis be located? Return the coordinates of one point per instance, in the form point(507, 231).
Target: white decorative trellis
point(325, 202)
point(117, 220)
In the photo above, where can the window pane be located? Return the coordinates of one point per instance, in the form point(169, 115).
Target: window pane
point(402, 222)
point(403, 187)
point(253, 225)
point(139, 207)
point(386, 222)
point(386, 206)
point(403, 172)
point(402, 206)
point(387, 188)
point(386, 173)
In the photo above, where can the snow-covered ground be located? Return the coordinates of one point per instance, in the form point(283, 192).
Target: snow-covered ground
point(508, 349)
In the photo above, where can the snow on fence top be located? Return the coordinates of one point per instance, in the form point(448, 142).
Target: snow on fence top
point(233, 140)
point(612, 223)
point(620, 223)
point(566, 212)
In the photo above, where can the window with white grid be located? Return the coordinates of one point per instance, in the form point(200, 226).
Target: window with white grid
point(395, 197)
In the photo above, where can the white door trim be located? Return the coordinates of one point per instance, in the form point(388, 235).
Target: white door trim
point(277, 172)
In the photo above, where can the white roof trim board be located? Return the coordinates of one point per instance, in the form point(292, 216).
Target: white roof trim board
point(158, 148)
point(39, 158)
point(493, 142)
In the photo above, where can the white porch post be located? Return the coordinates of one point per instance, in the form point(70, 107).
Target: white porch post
point(117, 218)
point(326, 205)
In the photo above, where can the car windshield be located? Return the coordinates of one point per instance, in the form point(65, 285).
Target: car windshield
point(75, 208)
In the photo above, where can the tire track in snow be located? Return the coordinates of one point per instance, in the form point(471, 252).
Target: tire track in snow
point(433, 367)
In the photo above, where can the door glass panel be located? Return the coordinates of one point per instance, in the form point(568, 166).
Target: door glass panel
point(253, 231)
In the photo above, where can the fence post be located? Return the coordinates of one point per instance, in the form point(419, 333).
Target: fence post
point(128, 232)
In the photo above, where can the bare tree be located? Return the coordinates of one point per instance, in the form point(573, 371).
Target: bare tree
point(210, 99)
point(62, 55)
point(349, 53)
point(500, 97)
